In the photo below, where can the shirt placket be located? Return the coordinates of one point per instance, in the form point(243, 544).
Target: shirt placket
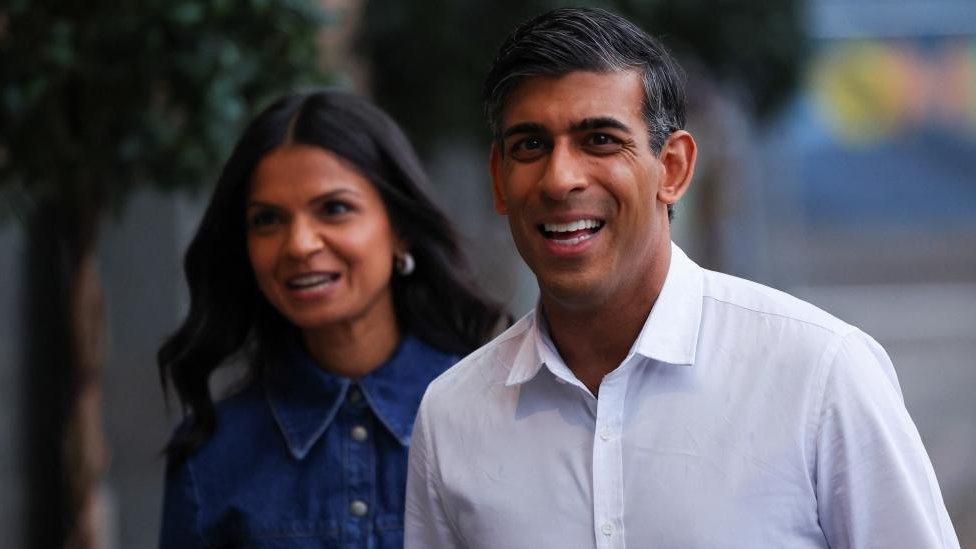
point(608, 495)
point(359, 470)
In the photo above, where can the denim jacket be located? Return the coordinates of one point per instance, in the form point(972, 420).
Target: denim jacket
point(305, 459)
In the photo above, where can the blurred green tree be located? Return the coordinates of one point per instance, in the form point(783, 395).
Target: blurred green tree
point(98, 100)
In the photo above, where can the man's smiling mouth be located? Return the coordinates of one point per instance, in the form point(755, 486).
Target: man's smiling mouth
point(571, 233)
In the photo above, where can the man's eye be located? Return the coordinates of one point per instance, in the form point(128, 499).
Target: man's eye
point(263, 219)
point(603, 142)
point(530, 144)
point(528, 148)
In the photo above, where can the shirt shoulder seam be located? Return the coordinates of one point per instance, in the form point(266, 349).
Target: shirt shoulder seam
point(843, 333)
point(478, 355)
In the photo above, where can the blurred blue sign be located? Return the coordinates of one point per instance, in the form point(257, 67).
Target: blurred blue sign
point(885, 132)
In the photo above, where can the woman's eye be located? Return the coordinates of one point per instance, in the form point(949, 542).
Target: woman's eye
point(335, 207)
point(262, 219)
point(528, 148)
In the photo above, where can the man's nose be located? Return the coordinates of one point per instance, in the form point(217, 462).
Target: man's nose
point(304, 238)
point(564, 173)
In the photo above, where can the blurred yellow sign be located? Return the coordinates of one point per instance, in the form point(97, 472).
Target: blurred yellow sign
point(870, 90)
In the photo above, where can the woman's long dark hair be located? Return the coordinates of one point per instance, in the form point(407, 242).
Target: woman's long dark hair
point(228, 314)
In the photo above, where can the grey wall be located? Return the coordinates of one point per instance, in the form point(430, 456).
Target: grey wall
point(141, 266)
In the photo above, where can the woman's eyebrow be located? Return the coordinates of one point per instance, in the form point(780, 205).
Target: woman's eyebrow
point(259, 204)
point(335, 193)
point(328, 195)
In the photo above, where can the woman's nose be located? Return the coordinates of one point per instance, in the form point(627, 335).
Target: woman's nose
point(304, 238)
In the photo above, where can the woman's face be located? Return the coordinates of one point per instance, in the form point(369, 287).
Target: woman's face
point(319, 239)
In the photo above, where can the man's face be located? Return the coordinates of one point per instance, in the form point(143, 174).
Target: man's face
point(581, 187)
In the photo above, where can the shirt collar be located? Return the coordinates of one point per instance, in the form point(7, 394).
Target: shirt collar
point(669, 335)
point(305, 399)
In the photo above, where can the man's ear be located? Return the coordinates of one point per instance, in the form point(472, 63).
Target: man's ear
point(495, 167)
point(678, 157)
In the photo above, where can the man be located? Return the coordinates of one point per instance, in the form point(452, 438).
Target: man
point(647, 402)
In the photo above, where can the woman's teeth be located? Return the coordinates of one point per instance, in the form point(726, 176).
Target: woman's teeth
point(311, 280)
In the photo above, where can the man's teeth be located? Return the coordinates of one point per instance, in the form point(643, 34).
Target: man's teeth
point(307, 281)
point(574, 240)
point(577, 225)
point(572, 233)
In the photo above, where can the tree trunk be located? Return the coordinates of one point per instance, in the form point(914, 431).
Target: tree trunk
point(66, 452)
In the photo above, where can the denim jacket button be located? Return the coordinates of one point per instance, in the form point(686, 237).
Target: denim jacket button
point(359, 433)
point(358, 508)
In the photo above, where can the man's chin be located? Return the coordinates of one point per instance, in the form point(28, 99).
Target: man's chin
point(572, 291)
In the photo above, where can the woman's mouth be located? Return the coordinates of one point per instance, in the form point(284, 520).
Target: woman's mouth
point(311, 280)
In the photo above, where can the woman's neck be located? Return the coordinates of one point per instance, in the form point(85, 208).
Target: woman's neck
point(356, 348)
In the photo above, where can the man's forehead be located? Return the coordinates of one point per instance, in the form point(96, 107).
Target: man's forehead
point(569, 99)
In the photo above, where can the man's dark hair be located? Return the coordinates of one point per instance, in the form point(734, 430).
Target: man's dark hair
point(565, 40)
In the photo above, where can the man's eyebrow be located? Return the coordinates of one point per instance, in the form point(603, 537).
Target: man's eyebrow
point(523, 127)
point(598, 123)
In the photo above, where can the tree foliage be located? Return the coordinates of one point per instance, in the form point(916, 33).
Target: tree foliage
point(429, 57)
point(99, 98)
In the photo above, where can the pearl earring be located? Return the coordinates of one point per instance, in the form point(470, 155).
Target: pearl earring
point(405, 264)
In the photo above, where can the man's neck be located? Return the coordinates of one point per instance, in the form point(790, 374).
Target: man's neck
point(593, 341)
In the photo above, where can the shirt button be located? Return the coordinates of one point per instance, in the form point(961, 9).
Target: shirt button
point(358, 508)
point(359, 433)
point(605, 434)
point(354, 395)
point(607, 529)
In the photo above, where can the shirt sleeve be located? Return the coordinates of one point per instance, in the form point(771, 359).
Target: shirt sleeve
point(875, 483)
point(427, 525)
point(180, 509)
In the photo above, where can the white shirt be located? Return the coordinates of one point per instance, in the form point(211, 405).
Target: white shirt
point(741, 417)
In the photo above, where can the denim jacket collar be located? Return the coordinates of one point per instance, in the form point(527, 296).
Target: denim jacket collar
point(305, 399)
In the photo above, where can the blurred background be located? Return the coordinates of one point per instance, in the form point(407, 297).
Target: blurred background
point(838, 163)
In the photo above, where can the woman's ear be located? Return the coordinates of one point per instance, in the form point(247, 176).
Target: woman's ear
point(678, 158)
point(401, 246)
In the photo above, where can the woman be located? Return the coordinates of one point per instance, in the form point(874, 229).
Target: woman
point(323, 265)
